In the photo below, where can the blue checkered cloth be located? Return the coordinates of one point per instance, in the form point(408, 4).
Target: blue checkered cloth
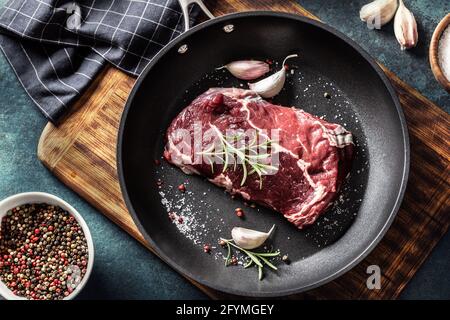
point(57, 47)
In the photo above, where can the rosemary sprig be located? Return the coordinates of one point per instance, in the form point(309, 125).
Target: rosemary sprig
point(246, 155)
point(260, 259)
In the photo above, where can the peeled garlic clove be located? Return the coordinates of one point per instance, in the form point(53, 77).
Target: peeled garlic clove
point(272, 85)
point(378, 13)
point(405, 27)
point(248, 238)
point(247, 69)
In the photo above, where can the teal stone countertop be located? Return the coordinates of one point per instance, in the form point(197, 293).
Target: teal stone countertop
point(411, 66)
point(123, 268)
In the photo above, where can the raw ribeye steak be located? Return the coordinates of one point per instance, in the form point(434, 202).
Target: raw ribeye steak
point(314, 155)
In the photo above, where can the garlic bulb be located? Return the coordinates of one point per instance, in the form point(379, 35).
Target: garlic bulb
point(247, 69)
point(248, 238)
point(405, 27)
point(378, 13)
point(273, 84)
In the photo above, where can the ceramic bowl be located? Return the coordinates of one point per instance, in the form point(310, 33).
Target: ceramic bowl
point(434, 53)
point(40, 197)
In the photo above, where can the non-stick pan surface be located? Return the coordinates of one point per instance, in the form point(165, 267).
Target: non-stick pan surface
point(362, 100)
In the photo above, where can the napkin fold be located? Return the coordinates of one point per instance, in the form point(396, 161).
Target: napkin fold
point(57, 47)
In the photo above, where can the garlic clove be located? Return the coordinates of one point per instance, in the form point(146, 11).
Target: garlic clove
point(270, 86)
point(248, 238)
point(405, 27)
point(247, 69)
point(273, 84)
point(378, 13)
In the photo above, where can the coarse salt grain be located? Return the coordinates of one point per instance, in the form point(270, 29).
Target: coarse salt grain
point(444, 53)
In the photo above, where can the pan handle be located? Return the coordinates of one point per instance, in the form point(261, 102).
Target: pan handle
point(185, 10)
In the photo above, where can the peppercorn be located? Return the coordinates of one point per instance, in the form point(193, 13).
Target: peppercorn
point(285, 259)
point(222, 242)
point(327, 95)
point(182, 187)
point(207, 248)
point(239, 212)
point(32, 238)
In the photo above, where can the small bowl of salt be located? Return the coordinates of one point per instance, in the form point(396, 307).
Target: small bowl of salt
point(440, 53)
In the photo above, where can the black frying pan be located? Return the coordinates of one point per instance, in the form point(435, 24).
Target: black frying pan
point(362, 99)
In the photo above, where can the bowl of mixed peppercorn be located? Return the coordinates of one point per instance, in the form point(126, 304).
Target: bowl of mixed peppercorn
point(46, 248)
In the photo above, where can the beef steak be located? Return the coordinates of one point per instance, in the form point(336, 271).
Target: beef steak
point(314, 155)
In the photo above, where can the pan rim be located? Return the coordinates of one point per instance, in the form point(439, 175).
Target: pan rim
point(359, 257)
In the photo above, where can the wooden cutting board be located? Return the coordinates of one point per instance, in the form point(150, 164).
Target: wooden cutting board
point(81, 152)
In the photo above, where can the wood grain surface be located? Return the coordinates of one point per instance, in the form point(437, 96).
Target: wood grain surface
point(81, 152)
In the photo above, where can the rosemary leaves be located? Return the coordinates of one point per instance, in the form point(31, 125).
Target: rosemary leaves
point(234, 150)
point(260, 259)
